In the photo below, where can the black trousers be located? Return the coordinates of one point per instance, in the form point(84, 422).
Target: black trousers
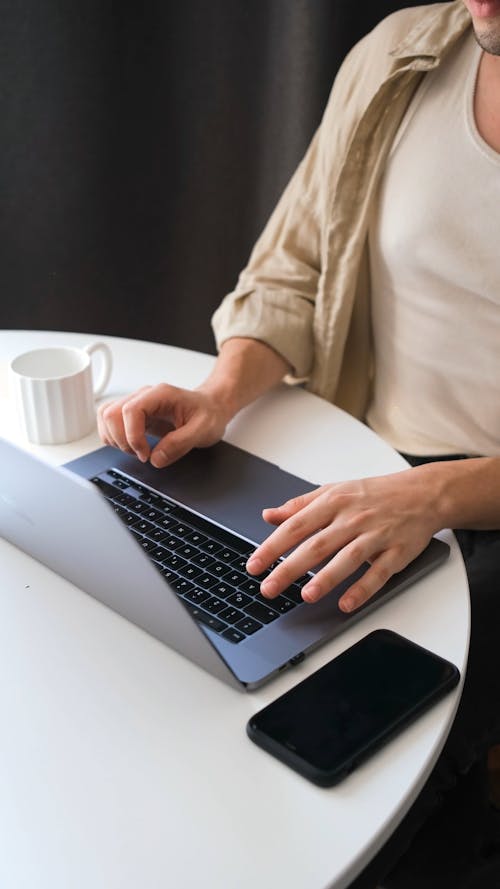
point(476, 727)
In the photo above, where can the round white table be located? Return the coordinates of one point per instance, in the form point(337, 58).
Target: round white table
point(123, 765)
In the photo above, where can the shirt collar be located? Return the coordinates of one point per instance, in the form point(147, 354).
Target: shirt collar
point(435, 33)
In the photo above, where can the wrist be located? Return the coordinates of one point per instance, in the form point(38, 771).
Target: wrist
point(424, 493)
point(222, 396)
point(245, 369)
point(465, 493)
point(437, 481)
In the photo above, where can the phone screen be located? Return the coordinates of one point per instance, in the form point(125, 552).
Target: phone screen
point(333, 719)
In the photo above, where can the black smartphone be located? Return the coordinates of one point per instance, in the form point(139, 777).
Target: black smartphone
point(333, 720)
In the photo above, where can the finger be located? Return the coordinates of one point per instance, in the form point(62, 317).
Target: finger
point(348, 559)
point(370, 583)
point(174, 445)
point(312, 517)
point(275, 515)
point(302, 559)
point(110, 423)
point(101, 427)
point(110, 420)
point(138, 411)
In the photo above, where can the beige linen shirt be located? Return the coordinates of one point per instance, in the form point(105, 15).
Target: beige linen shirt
point(306, 289)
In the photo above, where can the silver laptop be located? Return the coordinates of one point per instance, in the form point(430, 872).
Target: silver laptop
point(167, 550)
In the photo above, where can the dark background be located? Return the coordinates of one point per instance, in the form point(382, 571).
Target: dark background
point(143, 147)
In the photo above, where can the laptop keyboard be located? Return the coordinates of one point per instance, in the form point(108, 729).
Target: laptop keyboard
point(204, 564)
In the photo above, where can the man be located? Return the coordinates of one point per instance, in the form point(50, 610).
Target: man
point(377, 283)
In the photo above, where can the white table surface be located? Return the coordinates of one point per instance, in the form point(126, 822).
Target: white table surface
point(123, 765)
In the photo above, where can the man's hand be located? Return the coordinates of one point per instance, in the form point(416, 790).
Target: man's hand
point(386, 521)
point(182, 418)
point(185, 418)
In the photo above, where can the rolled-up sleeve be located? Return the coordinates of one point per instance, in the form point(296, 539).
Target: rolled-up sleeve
point(274, 298)
point(273, 317)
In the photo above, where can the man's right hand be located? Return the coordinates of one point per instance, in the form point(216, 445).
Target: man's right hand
point(182, 418)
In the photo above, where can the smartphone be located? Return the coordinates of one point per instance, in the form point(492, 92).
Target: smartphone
point(337, 717)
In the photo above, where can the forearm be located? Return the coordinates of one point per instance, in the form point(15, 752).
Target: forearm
point(466, 492)
point(244, 370)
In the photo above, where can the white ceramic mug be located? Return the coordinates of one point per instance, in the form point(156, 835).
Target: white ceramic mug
point(54, 392)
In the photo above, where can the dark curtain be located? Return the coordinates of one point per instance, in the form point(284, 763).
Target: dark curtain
point(143, 147)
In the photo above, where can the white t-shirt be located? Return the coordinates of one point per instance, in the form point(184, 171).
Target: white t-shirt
point(435, 268)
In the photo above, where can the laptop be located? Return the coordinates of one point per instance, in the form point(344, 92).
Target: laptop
point(167, 548)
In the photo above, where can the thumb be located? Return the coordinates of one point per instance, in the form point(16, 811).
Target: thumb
point(173, 446)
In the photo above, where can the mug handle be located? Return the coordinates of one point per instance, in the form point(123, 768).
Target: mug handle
point(106, 367)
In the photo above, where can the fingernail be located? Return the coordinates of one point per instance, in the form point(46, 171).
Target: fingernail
point(158, 459)
point(347, 604)
point(269, 587)
point(311, 592)
point(255, 565)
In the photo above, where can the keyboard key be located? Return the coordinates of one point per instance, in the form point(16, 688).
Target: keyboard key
point(227, 555)
point(148, 497)
point(159, 553)
point(196, 537)
point(182, 586)
point(166, 522)
point(305, 578)
point(197, 596)
point(147, 545)
point(165, 505)
point(231, 615)
point(151, 514)
point(283, 605)
point(206, 581)
point(209, 620)
point(123, 499)
point(240, 563)
point(203, 560)
point(234, 577)
point(172, 543)
point(248, 626)
point(127, 517)
point(219, 569)
point(252, 587)
point(222, 590)
point(233, 635)
point(261, 612)
point(294, 593)
point(190, 572)
point(239, 600)
point(181, 530)
point(187, 551)
point(131, 482)
point(168, 573)
point(104, 487)
point(137, 506)
point(174, 561)
point(121, 511)
point(158, 534)
point(142, 525)
point(214, 605)
point(211, 547)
